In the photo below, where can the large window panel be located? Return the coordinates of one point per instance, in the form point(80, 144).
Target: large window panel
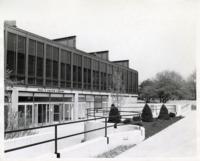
point(49, 65)
point(21, 59)
point(11, 52)
point(55, 65)
point(40, 62)
point(96, 75)
point(31, 61)
point(77, 71)
point(65, 68)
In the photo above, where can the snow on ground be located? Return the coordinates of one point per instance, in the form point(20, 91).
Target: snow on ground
point(178, 140)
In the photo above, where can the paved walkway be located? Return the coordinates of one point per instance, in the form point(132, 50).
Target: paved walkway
point(178, 140)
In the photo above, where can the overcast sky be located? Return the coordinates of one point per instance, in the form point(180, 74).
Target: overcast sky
point(155, 35)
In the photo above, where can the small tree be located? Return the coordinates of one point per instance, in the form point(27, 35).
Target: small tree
point(117, 88)
point(163, 115)
point(147, 114)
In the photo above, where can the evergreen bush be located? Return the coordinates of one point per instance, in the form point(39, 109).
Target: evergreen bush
point(163, 115)
point(147, 114)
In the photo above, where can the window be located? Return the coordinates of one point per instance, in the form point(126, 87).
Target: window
point(109, 71)
point(65, 67)
point(77, 71)
point(21, 116)
point(11, 53)
point(55, 65)
point(28, 115)
point(56, 113)
point(31, 61)
point(95, 75)
point(103, 76)
point(40, 58)
point(68, 112)
point(21, 55)
point(42, 113)
point(87, 73)
point(49, 65)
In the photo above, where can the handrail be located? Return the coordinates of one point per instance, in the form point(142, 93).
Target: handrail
point(56, 138)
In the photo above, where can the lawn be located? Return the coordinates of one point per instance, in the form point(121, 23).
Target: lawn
point(151, 128)
point(157, 125)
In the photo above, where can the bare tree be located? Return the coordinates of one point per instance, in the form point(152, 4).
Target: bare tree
point(191, 85)
point(118, 87)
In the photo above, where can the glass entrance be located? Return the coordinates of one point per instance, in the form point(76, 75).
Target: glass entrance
point(43, 113)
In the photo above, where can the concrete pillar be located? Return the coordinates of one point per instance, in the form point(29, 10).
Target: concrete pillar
point(14, 100)
point(109, 100)
point(178, 110)
point(14, 105)
point(75, 117)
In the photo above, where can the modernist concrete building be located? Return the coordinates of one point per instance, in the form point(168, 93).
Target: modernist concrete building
point(56, 82)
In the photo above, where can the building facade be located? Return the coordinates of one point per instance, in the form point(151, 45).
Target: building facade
point(53, 81)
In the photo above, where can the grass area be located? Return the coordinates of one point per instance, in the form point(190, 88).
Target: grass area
point(151, 128)
point(157, 125)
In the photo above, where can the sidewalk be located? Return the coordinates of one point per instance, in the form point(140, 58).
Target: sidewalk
point(178, 140)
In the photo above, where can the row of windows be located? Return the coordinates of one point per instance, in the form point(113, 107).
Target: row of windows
point(53, 68)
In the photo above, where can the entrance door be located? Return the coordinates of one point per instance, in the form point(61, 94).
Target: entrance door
point(56, 115)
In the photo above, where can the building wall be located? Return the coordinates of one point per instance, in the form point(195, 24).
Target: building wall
point(37, 61)
point(54, 83)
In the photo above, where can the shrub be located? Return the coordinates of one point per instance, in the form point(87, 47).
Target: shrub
point(147, 114)
point(163, 115)
point(127, 121)
point(171, 114)
point(16, 121)
point(136, 118)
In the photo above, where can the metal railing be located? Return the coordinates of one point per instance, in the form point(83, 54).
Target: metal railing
point(94, 112)
point(56, 138)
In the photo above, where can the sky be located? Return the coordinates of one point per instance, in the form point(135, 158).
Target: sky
point(155, 35)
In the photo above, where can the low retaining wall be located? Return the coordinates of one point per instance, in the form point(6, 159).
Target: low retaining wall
point(99, 145)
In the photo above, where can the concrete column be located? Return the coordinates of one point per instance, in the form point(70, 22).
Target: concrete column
point(14, 103)
point(109, 100)
point(178, 110)
point(14, 100)
point(75, 117)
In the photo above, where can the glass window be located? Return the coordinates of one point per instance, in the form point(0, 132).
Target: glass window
point(40, 58)
point(65, 68)
point(67, 112)
point(31, 58)
point(55, 65)
point(11, 52)
point(21, 116)
point(21, 55)
point(77, 71)
point(48, 62)
point(87, 73)
point(56, 113)
point(41, 113)
point(28, 115)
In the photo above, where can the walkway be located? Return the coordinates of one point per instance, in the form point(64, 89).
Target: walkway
point(178, 140)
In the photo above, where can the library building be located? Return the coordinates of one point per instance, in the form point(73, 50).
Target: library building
point(50, 81)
